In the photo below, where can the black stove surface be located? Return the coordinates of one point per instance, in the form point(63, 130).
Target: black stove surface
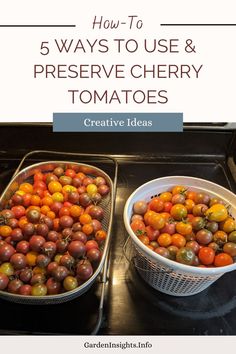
point(132, 307)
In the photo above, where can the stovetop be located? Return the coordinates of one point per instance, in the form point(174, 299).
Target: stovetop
point(131, 306)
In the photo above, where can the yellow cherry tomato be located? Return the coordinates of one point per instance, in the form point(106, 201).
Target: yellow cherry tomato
point(166, 196)
point(26, 187)
point(68, 188)
point(217, 212)
point(54, 186)
point(58, 197)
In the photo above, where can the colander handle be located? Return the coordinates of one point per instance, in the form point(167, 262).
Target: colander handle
point(133, 259)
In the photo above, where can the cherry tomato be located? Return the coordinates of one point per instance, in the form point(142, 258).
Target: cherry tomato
point(138, 227)
point(183, 228)
point(156, 204)
point(185, 256)
point(178, 212)
point(228, 225)
point(178, 190)
point(166, 196)
point(217, 212)
point(206, 255)
point(223, 259)
point(230, 248)
point(156, 221)
point(164, 240)
point(178, 240)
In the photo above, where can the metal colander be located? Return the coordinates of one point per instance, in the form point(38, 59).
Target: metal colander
point(107, 204)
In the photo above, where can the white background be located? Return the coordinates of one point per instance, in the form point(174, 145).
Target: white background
point(210, 98)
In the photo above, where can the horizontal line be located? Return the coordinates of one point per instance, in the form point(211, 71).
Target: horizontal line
point(198, 24)
point(37, 25)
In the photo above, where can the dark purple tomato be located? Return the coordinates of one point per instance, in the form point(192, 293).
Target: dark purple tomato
point(94, 255)
point(169, 228)
point(33, 216)
point(96, 225)
point(51, 177)
point(51, 267)
point(14, 286)
point(84, 271)
point(193, 245)
point(25, 289)
point(198, 223)
point(25, 275)
point(48, 221)
point(18, 260)
point(42, 261)
point(17, 235)
point(214, 246)
point(204, 236)
point(56, 206)
point(178, 199)
point(199, 209)
point(70, 283)
point(173, 250)
point(7, 214)
point(76, 182)
point(96, 212)
point(36, 242)
point(58, 171)
point(49, 248)
point(62, 245)
point(77, 227)
point(230, 248)
point(79, 236)
point(103, 189)
point(65, 180)
point(23, 247)
point(13, 223)
point(42, 229)
point(17, 199)
point(73, 197)
point(99, 181)
point(53, 286)
point(28, 229)
point(10, 241)
point(202, 198)
point(37, 279)
point(6, 251)
point(185, 256)
point(196, 261)
point(53, 236)
point(67, 261)
point(85, 200)
point(66, 221)
point(96, 198)
point(212, 226)
point(67, 232)
point(60, 273)
point(4, 280)
point(162, 251)
point(76, 249)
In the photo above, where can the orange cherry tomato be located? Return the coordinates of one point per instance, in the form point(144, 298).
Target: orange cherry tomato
point(164, 240)
point(191, 195)
point(157, 221)
point(166, 196)
point(23, 220)
point(47, 201)
point(228, 225)
point(51, 214)
point(189, 204)
point(35, 200)
point(144, 239)
point(75, 211)
point(54, 186)
point(87, 229)
point(45, 209)
point(64, 211)
point(31, 258)
point(178, 240)
point(165, 215)
point(147, 216)
point(178, 190)
point(223, 259)
point(138, 227)
point(156, 204)
point(100, 235)
point(5, 230)
point(183, 228)
point(26, 187)
point(85, 219)
point(56, 224)
point(178, 212)
point(206, 255)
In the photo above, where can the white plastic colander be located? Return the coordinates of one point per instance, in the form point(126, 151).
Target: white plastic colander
point(164, 274)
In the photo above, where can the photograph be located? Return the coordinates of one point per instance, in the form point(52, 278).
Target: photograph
point(128, 234)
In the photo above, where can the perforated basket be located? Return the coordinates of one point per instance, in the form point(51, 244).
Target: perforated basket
point(107, 204)
point(164, 274)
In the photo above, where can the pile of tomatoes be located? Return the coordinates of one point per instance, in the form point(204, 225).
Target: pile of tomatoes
point(51, 235)
point(188, 227)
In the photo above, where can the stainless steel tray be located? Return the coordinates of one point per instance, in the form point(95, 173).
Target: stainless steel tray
point(107, 203)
